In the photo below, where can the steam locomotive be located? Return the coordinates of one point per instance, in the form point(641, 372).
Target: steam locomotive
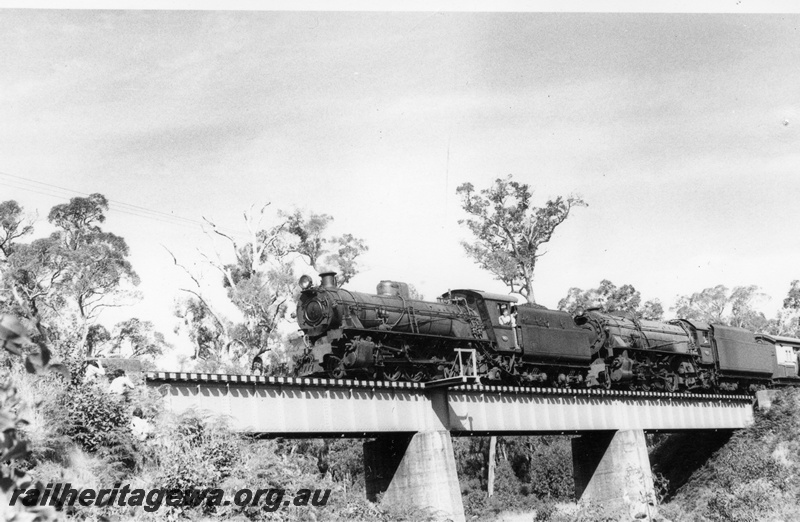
point(389, 335)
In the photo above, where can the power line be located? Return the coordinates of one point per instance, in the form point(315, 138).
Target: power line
point(120, 203)
point(112, 206)
point(48, 189)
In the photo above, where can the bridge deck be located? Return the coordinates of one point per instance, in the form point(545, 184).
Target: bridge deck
point(305, 407)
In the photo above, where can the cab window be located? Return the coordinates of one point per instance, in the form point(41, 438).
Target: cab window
point(505, 315)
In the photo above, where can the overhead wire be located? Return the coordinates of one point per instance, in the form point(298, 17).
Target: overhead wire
point(113, 206)
point(49, 189)
point(65, 189)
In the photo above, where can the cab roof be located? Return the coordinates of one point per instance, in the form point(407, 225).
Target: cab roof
point(698, 325)
point(488, 296)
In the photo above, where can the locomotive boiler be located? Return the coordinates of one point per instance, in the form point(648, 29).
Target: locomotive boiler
point(389, 335)
point(386, 334)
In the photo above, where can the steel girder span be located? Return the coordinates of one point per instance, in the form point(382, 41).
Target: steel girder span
point(302, 407)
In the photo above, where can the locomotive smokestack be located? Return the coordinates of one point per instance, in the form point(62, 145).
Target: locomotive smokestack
point(328, 279)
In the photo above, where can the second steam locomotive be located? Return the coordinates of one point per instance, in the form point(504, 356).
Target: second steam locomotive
point(389, 335)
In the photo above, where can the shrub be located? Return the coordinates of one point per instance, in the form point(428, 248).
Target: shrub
point(755, 476)
point(191, 452)
point(531, 474)
point(12, 446)
point(90, 416)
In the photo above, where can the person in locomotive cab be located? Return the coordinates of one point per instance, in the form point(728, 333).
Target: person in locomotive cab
point(507, 318)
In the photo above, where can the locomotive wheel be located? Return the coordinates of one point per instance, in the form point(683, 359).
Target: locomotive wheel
point(416, 375)
point(394, 374)
point(607, 380)
point(333, 366)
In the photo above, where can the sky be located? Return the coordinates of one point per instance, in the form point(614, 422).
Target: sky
point(680, 130)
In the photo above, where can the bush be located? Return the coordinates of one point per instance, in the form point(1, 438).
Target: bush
point(13, 446)
point(342, 459)
point(675, 457)
point(532, 473)
point(191, 452)
point(90, 416)
point(755, 476)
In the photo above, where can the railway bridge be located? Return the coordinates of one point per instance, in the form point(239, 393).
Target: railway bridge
point(411, 459)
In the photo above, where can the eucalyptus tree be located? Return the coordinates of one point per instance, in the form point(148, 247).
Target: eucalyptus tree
point(719, 304)
point(609, 297)
point(258, 272)
point(68, 278)
point(509, 231)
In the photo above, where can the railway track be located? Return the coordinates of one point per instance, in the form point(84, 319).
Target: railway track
point(200, 379)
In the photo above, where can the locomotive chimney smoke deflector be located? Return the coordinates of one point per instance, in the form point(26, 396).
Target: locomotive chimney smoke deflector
point(328, 279)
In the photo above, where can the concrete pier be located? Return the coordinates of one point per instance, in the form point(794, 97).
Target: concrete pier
point(612, 470)
point(417, 470)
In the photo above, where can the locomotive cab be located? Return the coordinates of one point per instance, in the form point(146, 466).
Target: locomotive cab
point(504, 322)
point(491, 307)
point(700, 334)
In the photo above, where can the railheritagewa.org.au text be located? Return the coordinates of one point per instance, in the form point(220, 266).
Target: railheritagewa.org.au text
point(269, 499)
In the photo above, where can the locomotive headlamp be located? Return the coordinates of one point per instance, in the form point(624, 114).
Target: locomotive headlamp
point(305, 282)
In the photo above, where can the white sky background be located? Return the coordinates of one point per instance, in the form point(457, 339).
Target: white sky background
point(681, 131)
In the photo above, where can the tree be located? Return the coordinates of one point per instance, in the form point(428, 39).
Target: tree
point(13, 225)
point(97, 337)
point(73, 274)
point(707, 305)
point(792, 301)
point(97, 261)
point(787, 320)
point(98, 267)
point(205, 330)
point(721, 305)
point(311, 244)
point(136, 338)
point(259, 283)
point(610, 298)
point(79, 218)
point(509, 231)
point(32, 277)
point(652, 310)
point(309, 231)
point(348, 248)
point(413, 293)
point(743, 315)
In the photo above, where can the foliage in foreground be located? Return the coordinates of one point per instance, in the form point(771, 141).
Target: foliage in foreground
point(13, 446)
point(755, 476)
